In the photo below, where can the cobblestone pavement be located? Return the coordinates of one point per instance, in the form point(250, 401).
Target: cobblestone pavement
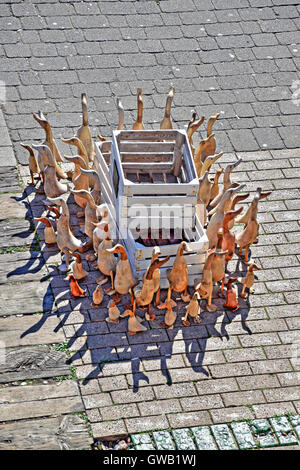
point(231, 367)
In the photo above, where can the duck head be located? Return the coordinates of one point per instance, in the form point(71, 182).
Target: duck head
point(156, 264)
point(118, 249)
point(128, 313)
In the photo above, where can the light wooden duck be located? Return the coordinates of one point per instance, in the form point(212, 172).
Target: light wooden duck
point(138, 125)
point(80, 182)
point(113, 312)
point(106, 261)
point(218, 263)
point(50, 142)
point(97, 296)
point(228, 243)
point(227, 184)
point(99, 233)
point(205, 288)
point(134, 322)
point(49, 233)
point(215, 186)
point(170, 317)
point(250, 232)
point(124, 280)
point(52, 187)
point(34, 168)
point(244, 219)
point(208, 162)
point(75, 141)
point(193, 125)
point(178, 276)
point(84, 132)
point(144, 292)
point(203, 198)
point(205, 148)
point(120, 115)
point(248, 280)
point(156, 276)
point(64, 236)
point(234, 202)
point(216, 220)
point(192, 310)
point(166, 123)
point(77, 268)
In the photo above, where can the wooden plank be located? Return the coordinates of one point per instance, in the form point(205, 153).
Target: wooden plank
point(144, 200)
point(15, 233)
point(22, 270)
point(146, 167)
point(160, 189)
point(147, 135)
point(142, 157)
point(32, 363)
point(145, 147)
point(30, 297)
point(13, 206)
point(67, 432)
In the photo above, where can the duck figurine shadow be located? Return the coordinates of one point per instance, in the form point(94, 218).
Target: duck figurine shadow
point(138, 124)
point(144, 291)
point(34, 168)
point(84, 131)
point(192, 310)
point(166, 123)
point(248, 280)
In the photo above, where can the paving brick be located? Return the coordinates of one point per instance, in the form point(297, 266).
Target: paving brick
point(258, 382)
point(146, 424)
point(273, 409)
point(196, 418)
point(235, 413)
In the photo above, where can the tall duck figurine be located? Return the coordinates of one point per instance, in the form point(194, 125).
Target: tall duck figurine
point(124, 280)
point(238, 198)
point(208, 162)
point(138, 125)
point(216, 220)
point(215, 185)
point(52, 187)
point(144, 293)
point(64, 236)
point(205, 287)
point(193, 126)
point(250, 233)
point(166, 123)
point(84, 132)
point(228, 243)
point(34, 168)
point(106, 261)
point(178, 276)
point(203, 198)
point(244, 219)
point(226, 185)
point(218, 262)
point(49, 234)
point(80, 182)
point(81, 152)
point(248, 280)
point(192, 310)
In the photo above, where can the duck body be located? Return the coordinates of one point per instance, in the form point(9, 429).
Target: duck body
point(97, 296)
point(248, 280)
point(166, 123)
point(124, 280)
point(113, 313)
point(84, 132)
point(52, 187)
point(178, 275)
point(77, 268)
point(228, 242)
point(192, 310)
point(134, 322)
point(170, 317)
point(76, 290)
point(106, 261)
point(64, 236)
point(49, 233)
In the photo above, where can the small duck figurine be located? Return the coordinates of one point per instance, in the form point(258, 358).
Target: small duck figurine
point(124, 280)
point(52, 187)
point(143, 293)
point(228, 243)
point(248, 280)
point(77, 268)
point(205, 288)
point(34, 168)
point(193, 126)
point(250, 233)
point(97, 296)
point(192, 310)
point(134, 322)
point(178, 276)
point(166, 123)
point(49, 234)
point(106, 261)
point(76, 290)
point(113, 312)
point(84, 132)
point(138, 125)
point(156, 276)
point(218, 263)
point(170, 317)
point(231, 295)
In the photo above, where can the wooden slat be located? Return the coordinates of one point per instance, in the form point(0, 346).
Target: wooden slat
point(146, 147)
point(147, 135)
point(141, 157)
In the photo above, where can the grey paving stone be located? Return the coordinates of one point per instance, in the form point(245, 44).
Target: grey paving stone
point(283, 431)
point(163, 440)
point(263, 433)
point(223, 437)
point(243, 436)
point(142, 442)
point(183, 439)
point(203, 438)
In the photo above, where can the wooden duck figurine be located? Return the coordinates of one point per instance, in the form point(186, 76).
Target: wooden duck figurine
point(204, 150)
point(250, 232)
point(34, 168)
point(64, 236)
point(238, 198)
point(81, 152)
point(106, 261)
point(215, 186)
point(218, 263)
point(231, 295)
point(84, 132)
point(124, 280)
point(52, 187)
point(134, 322)
point(76, 290)
point(248, 280)
point(156, 276)
point(228, 243)
point(203, 198)
point(99, 233)
point(49, 234)
point(50, 142)
point(80, 182)
point(226, 185)
point(178, 276)
point(166, 123)
point(208, 162)
point(244, 219)
point(144, 293)
point(77, 268)
point(113, 312)
point(170, 317)
point(205, 288)
point(138, 125)
point(193, 125)
point(216, 220)
point(120, 114)
point(97, 296)
point(192, 310)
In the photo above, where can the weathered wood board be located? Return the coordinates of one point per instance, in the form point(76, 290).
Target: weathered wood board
point(30, 297)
